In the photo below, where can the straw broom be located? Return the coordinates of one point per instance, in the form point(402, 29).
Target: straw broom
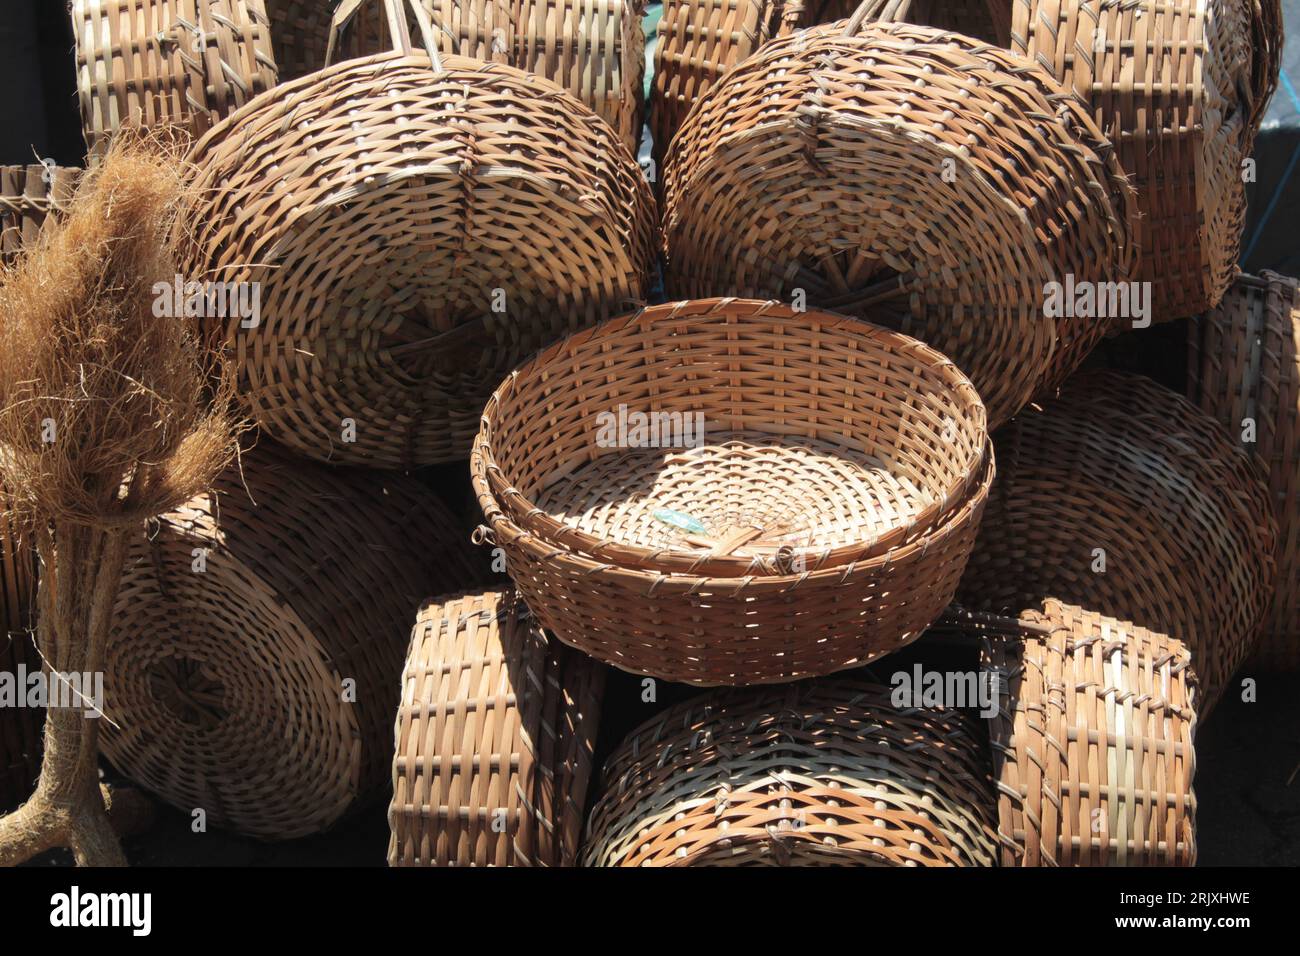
point(109, 416)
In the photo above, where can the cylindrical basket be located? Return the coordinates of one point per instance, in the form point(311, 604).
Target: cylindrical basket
point(821, 773)
point(257, 641)
point(186, 63)
point(857, 167)
point(28, 196)
point(1121, 497)
point(405, 265)
point(1092, 744)
point(495, 734)
point(799, 500)
point(20, 726)
point(1244, 371)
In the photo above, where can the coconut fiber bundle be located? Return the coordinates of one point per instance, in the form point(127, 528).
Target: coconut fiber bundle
point(1123, 498)
point(28, 195)
point(699, 40)
point(258, 637)
point(150, 63)
point(1092, 743)
point(1245, 372)
point(858, 166)
point(820, 773)
point(495, 734)
point(20, 725)
point(415, 227)
point(731, 492)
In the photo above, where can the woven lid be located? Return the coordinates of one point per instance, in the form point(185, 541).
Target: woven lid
point(821, 773)
point(256, 642)
point(495, 733)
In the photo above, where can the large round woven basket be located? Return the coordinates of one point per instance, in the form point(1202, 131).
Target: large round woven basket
point(1244, 371)
point(415, 230)
point(857, 166)
point(20, 726)
point(187, 63)
point(821, 773)
point(730, 492)
point(495, 734)
point(257, 642)
point(28, 196)
point(1092, 744)
point(1122, 498)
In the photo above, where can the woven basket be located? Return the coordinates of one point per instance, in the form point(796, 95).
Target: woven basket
point(385, 248)
point(825, 773)
point(151, 63)
point(28, 195)
point(858, 164)
point(300, 35)
point(834, 477)
point(699, 40)
point(1125, 471)
point(1092, 745)
point(495, 735)
point(20, 727)
point(260, 689)
point(1244, 363)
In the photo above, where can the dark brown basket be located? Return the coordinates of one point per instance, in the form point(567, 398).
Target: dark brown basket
point(20, 727)
point(28, 196)
point(820, 773)
point(495, 734)
point(1123, 471)
point(1244, 371)
point(260, 689)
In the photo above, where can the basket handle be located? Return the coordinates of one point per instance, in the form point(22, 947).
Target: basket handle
point(397, 28)
point(877, 11)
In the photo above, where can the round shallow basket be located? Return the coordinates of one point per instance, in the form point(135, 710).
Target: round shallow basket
point(1092, 744)
point(186, 63)
point(858, 167)
point(1244, 371)
point(729, 492)
point(1179, 86)
point(28, 196)
point(1123, 498)
point(495, 734)
point(257, 644)
point(822, 773)
point(414, 231)
point(20, 727)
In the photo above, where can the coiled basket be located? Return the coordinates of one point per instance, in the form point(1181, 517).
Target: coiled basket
point(800, 499)
point(495, 734)
point(821, 773)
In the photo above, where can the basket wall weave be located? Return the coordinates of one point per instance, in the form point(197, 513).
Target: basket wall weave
point(1124, 465)
point(1092, 745)
point(386, 211)
point(821, 773)
point(226, 686)
point(168, 62)
point(863, 170)
point(28, 194)
point(20, 727)
point(1244, 363)
point(495, 734)
point(837, 478)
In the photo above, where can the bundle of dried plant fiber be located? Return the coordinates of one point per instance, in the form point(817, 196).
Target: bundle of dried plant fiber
point(818, 773)
point(1123, 498)
point(258, 640)
point(495, 734)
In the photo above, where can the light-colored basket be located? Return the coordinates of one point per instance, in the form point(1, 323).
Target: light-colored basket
point(416, 229)
point(1244, 371)
point(857, 165)
point(151, 63)
point(28, 196)
point(1121, 497)
point(20, 727)
point(820, 773)
point(802, 506)
point(495, 734)
point(257, 644)
point(1092, 744)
